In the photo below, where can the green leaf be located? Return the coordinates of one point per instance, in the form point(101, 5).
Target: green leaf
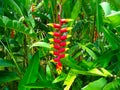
point(96, 85)
point(31, 73)
point(114, 85)
point(76, 10)
point(114, 18)
point(93, 72)
point(99, 17)
point(8, 76)
point(106, 7)
point(49, 75)
point(103, 60)
point(111, 38)
point(89, 51)
point(69, 79)
point(69, 61)
point(16, 25)
point(61, 77)
point(42, 84)
point(41, 44)
point(14, 6)
point(6, 63)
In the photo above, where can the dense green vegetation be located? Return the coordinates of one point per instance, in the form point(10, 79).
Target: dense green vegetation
point(93, 62)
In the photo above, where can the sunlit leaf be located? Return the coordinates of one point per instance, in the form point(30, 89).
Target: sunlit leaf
point(96, 85)
point(69, 80)
point(106, 7)
point(41, 44)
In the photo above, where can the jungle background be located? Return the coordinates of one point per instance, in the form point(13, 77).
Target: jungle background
point(93, 62)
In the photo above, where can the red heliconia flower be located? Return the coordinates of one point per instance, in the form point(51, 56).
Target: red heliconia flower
point(65, 20)
point(59, 41)
point(57, 34)
point(62, 30)
point(63, 55)
point(63, 50)
point(56, 40)
point(56, 60)
point(58, 26)
point(64, 43)
point(56, 46)
point(64, 37)
point(55, 52)
point(59, 67)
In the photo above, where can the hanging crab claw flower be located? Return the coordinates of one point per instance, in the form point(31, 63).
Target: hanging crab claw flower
point(57, 34)
point(56, 40)
point(64, 43)
point(63, 55)
point(64, 37)
point(54, 25)
point(56, 46)
point(65, 20)
point(54, 52)
point(65, 29)
point(63, 50)
point(59, 67)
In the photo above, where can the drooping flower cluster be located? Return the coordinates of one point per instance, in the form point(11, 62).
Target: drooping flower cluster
point(59, 42)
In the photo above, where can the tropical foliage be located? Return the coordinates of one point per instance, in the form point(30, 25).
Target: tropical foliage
point(92, 61)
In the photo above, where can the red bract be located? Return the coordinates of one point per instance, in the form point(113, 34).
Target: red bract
point(63, 37)
point(56, 46)
point(54, 25)
point(59, 67)
point(63, 50)
point(64, 43)
point(56, 40)
point(57, 34)
point(57, 25)
point(62, 55)
point(62, 30)
point(56, 59)
point(56, 53)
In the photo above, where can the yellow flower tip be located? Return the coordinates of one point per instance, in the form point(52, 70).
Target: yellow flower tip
point(69, 28)
point(52, 60)
point(51, 33)
point(50, 24)
point(59, 70)
point(66, 55)
point(66, 49)
point(69, 36)
point(51, 45)
point(68, 20)
point(68, 43)
point(51, 40)
point(51, 52)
